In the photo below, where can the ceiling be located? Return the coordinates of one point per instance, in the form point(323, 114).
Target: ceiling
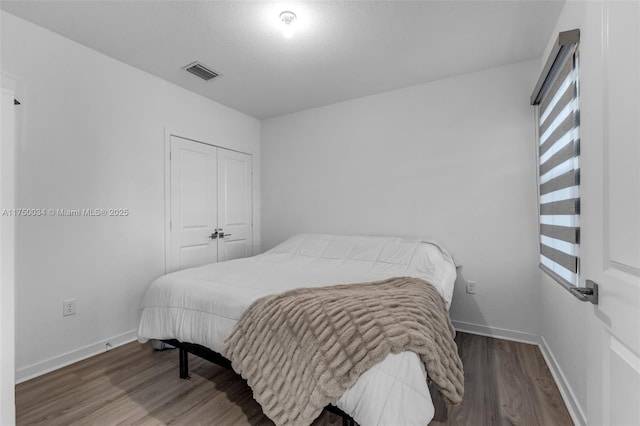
point(340, 50)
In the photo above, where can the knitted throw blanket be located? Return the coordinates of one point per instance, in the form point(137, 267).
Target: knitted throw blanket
point(301, 349)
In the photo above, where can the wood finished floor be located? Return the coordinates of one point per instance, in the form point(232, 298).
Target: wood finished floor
point(506, 383)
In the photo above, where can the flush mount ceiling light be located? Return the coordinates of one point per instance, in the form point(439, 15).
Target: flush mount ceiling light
point(287, 18)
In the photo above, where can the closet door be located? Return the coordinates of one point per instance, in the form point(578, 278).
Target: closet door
point(211, 204)
point(194, 214)
point(235, 211)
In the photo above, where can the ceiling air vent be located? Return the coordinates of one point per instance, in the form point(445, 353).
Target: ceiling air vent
point(196, 68)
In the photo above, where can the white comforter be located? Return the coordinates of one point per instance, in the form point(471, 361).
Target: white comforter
point(201, 305)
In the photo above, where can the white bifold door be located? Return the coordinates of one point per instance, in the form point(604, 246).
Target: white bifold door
point(210, 204)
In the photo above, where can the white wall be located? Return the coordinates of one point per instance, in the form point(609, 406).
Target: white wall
point(564, 319)
point(453, 160)
point(93, 137)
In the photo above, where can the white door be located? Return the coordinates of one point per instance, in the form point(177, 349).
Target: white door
point(211, 207)
point(611, 216)
point(194, 199)
point(235, 212)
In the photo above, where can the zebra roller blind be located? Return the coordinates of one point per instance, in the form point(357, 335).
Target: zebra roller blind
point(558, 159)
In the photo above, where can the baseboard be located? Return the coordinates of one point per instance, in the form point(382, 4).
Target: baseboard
point(54, 363)
point(575, 411)
point(499, 333)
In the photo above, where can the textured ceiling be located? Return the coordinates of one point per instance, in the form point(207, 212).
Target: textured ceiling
point(341, 49)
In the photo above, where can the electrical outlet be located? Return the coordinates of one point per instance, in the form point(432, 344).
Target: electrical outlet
point(68, 307)
point(471, 287)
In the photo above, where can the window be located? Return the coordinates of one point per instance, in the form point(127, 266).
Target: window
point(558, 116)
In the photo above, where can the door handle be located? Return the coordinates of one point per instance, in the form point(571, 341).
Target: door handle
point(218, 234)
point(586, 294)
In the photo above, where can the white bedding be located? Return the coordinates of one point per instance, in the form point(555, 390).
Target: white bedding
point(201, 305)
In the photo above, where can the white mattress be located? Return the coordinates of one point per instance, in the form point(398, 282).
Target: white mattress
point(201, 305)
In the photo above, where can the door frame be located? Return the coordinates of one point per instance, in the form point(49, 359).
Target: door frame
point(7, 263)
point(168, 133)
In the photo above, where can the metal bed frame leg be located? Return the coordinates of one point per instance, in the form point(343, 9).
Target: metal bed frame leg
point(184, 364)
point(216, 358)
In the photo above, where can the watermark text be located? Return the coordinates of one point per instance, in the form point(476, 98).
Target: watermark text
point(50, 212)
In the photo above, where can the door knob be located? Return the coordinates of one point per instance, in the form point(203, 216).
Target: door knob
point(214, 235)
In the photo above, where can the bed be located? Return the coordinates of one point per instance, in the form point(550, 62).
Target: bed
point(200, 306)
